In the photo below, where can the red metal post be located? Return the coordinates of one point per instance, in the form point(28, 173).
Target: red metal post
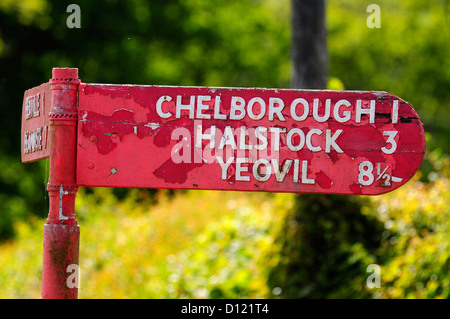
point(61, 231)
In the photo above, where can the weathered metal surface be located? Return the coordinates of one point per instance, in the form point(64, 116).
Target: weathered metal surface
point(61, 231)
point(35, 124)
point(335, 142)
point(61, 251)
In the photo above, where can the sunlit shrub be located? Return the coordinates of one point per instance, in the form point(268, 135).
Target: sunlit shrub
point(416, 238)
point(232, 257)
point(208, 244)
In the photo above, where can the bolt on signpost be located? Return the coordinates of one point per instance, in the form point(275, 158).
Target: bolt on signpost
point(245, 139)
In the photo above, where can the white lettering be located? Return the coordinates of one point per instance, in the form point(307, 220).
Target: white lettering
point(250, 105)
point(200, 136)
point(224, 166)
point(365, 170)
point(296, 170)
point(257, 172)
point(185, 107)
point(202, 107)
point(346, 114)
point(330, 141)
point(237, 105)
point(276, 110)
point(289, 139)
point(217, 114)
point(360, 110)
point(227, 139)
point(294, 104)
point(261, 137)
point(281, 175)
point(242, 138)
point(391, 139)
point(159, 110)
point(32, 141)
point(395, 112)
point(240, 169)
point(308, 140)
point(32, 106)
point(305, 179)
point(316, 116)
point(276, 140)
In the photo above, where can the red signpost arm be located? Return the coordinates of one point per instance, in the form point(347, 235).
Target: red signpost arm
point(61, 231)
point(345, 142)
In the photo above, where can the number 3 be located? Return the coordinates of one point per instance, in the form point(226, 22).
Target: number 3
point(391, 135)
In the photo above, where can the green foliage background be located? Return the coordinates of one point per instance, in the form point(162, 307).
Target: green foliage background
point(151, 244)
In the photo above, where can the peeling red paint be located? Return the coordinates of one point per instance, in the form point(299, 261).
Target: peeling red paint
point(175, 173)
point(162, 137)
point(355, 188)
point(305, 155)
point(323, 180)
point(137, 138)
point(333, 156)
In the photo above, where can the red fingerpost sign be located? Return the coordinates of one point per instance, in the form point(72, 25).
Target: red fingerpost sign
point(273, 140)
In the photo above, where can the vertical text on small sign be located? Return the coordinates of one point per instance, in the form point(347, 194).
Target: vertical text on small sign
point(35, 124)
